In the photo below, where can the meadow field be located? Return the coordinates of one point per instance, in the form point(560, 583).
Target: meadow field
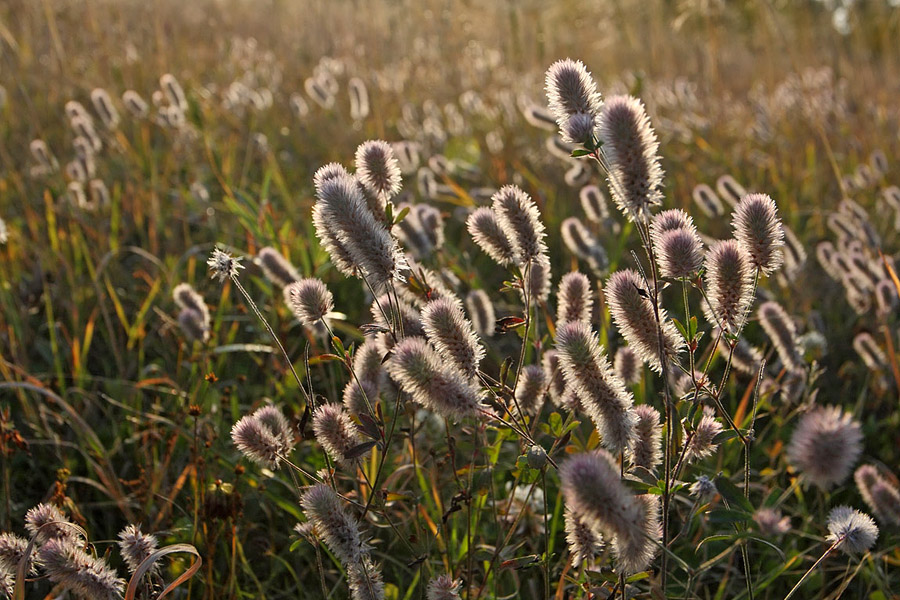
point(445, 299)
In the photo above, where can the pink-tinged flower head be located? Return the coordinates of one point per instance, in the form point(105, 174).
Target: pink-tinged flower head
point(481, 312)
point(647, 449)
point(575, 298)
point(66, 564)
point(632, 311)
point(631, 150)
point(585, 542)
point(333, 524)
point(309, 300)
point(603, 395)
point(436, 385)
point(443, 587)
point(377, 168)
point(758, 229)
point(880, 494)
point(825, 445)
point(729, 285)
point(520, 221)
point(336, 433)
point(780, 328)
point(136, 546)
point(453, 335)
point(679, 252)
point(485, 230)
point(276, 267)
point(572, 95)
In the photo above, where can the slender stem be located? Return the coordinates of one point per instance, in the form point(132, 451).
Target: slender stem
point(812, 568)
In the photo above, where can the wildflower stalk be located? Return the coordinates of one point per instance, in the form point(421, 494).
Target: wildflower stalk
point(813, 568)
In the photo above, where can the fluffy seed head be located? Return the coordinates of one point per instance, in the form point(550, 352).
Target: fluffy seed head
point(745, 358)
point(336, 433)
point(869, 351)
point(770, 523)
point(593, 490)
point(627, 365)
point(377, 168)
point(632, 311)
point(12, 549)
point(74, 569)
point(531, 388)
point(371, 376)
point(758, 229)
point(186, 296)
point(485, 230)
point(135, 104)
point(263, 437)
point(443, 587)
point(729, 283)
point(520, 221)
point(647, 449)
point(585, 542)
point(669, 220)
point(309, 300)
point(481, 311)
point(422, 373)
point(603, 395)
point(579, 128)
point(537, 280)
point(593, 202)
point(452, 335)
point(575, 298)
point(571, 90)
point(365, 581)
point(851, 531)
point(701, 443)
point(46, 522)
point(348, 229)
point(730, 190)
point(173, 91)
point(105, 108)
point(705, 198)
point(630, 148)
point(328, 172)
point(223, 266)
point(780, 329)
point(886, 297)
point(680, 253)
point(136, 546)
point(825, 445)
point(333, 524)
point(277, 268)
point(582, 244)
point(879, 493)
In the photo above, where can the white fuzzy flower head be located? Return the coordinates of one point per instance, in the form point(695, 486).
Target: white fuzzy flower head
point(223, 266)
point(850, 530)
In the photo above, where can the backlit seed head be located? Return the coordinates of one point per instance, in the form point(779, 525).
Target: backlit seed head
point(136, 546)
point(452, 335)
point(632, 311)
point(680, 253)
point(701, 443)
point(277, 268)
point(530, 389)
point(66, 564)
point(851, 531)
point(880, 495)
point(481, 312)
point(570, 91)
point(520, 221)
point(223, 266)
point(627, 365)
point(729, 285)
point(825, 445)
point(309, 300)
point(378, 169)
point(647, 449)
point(334, 525)
point(585, 542)
point(630, 148)
point(575, 298)
point(485, 230)
point(781, 330)
point(443, 587)
point(336, 433)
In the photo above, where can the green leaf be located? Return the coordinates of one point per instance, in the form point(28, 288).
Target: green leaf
point(402, 215)
point(724, 436)
point(579, 152)
point(681, 329)
point(731, 494)
point(693, 327)
point(555, 424)
point(724, 515)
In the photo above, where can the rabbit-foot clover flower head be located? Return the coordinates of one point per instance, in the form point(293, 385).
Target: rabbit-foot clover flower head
point(879, 493)
point(421, 372)
point(46, 522)
point(850, 530)
point(12, 549)
point(604, 396)
point(443, 587)
point(336, 433)
point(647, 449)
point(309, 300)
point(264, 437)
point(585, 542)
point(574, 100)
point(520, 220)
point(630, 150)
point(632, 311)
point(825, 445)
point(575, 298)
point(729, 283)
point(485, 230)
point(223, 266)
point(276, 267)
point(378, 169)
point(136, 546)
point(771, 523)
point(758, 229)
point(74, 569)
point(334, 525)
point(453, 335)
